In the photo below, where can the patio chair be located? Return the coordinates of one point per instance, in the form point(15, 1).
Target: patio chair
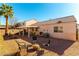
point(47, 44)
point(33, 48)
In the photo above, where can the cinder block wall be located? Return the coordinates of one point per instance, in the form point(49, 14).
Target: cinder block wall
point(13, 31)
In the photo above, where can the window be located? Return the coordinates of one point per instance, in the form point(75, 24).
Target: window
point(58, 29)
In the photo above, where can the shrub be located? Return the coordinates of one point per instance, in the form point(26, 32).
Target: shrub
point(46, 35)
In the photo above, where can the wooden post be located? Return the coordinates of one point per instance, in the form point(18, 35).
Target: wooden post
point(19, 32)
point(23, 32)
point(28, 33)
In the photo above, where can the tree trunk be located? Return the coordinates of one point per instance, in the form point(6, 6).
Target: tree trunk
point(6, 29)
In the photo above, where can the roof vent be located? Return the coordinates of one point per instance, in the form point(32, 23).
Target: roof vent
point(59, 22)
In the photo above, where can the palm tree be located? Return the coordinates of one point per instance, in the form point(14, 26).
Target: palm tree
point(6, 11)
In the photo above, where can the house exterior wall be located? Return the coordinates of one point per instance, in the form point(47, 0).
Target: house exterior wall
point(69, 30)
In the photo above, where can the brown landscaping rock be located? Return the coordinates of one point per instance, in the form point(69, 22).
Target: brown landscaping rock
point(23, 52)
point(35, 46)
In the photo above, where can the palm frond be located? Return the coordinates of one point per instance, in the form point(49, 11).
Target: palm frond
point(1, 12)
point(6, 10)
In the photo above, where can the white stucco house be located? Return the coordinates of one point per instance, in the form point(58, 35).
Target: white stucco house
point(63, 28)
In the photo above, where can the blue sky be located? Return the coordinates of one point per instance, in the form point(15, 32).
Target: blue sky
point(42, 11)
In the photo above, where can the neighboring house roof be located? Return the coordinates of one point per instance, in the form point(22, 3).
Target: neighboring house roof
point(2, 26)
point(62, 19)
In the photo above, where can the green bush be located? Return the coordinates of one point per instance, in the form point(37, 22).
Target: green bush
point(46, 35)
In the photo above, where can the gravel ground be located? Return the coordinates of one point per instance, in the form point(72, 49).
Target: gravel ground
point(58, 47)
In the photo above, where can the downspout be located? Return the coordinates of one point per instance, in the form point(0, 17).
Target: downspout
point(76, 33)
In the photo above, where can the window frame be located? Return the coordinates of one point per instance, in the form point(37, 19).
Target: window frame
point(58, 29)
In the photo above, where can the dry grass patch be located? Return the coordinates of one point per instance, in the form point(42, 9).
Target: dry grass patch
point(8, 47)
point(1, 38)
